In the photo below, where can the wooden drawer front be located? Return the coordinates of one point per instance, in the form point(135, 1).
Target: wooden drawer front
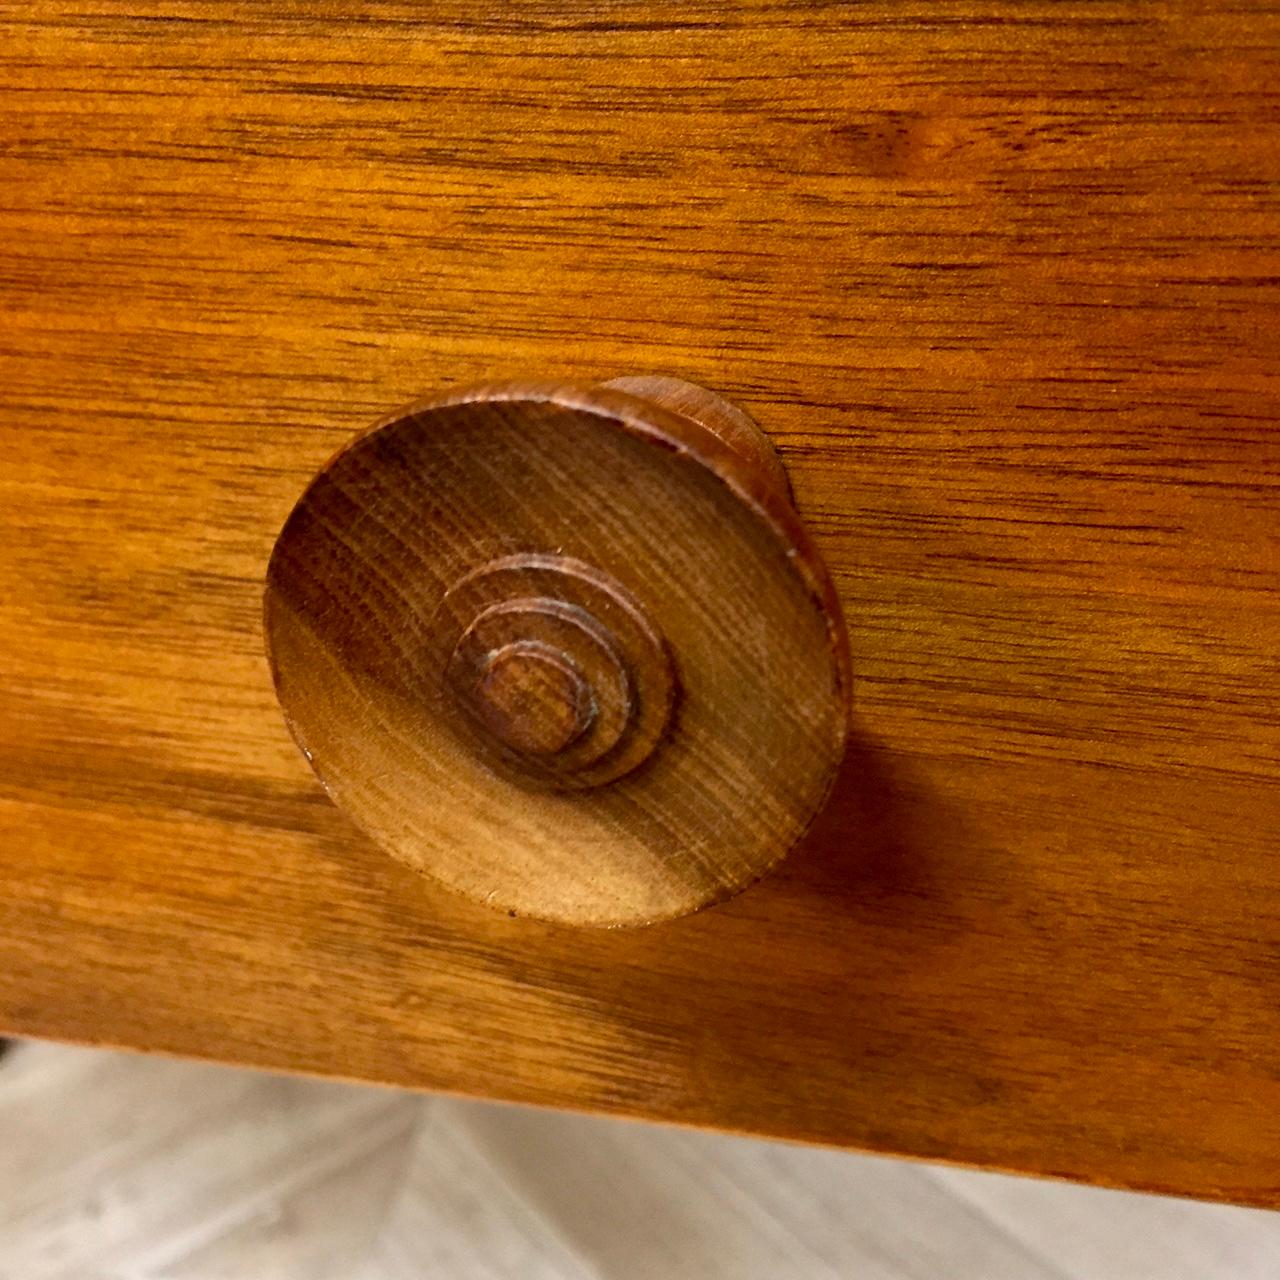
point(999, 280)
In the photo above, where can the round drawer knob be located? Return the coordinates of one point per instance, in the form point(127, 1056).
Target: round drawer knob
point(567, 650)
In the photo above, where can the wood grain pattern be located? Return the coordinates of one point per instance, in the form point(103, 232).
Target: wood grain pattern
point(1001, 278)
point(565, 649)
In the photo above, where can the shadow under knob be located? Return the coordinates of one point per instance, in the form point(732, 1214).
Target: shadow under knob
point(566, 650)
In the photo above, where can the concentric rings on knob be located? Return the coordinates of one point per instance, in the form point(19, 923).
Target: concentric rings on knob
point(566, 650)
point(552, 671)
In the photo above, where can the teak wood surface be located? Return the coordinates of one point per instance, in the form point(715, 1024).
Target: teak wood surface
point(1001, 282)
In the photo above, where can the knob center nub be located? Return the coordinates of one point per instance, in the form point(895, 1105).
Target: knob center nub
point(551, 671)
point(534, 699)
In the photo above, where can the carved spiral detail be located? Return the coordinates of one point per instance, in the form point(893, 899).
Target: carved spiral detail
point(552, 671)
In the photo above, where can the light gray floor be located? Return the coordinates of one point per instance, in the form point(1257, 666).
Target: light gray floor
point(117, 1167)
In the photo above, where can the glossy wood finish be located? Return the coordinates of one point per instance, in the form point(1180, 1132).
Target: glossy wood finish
point(1002, 280)
point(568, 650)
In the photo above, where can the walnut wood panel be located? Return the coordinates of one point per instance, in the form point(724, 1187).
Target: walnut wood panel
point(1001, 282)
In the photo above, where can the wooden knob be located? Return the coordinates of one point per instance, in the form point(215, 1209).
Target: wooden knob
point(568, 650)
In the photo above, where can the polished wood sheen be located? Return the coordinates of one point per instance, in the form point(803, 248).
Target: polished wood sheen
point(1001, 280)
point(568, 650)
